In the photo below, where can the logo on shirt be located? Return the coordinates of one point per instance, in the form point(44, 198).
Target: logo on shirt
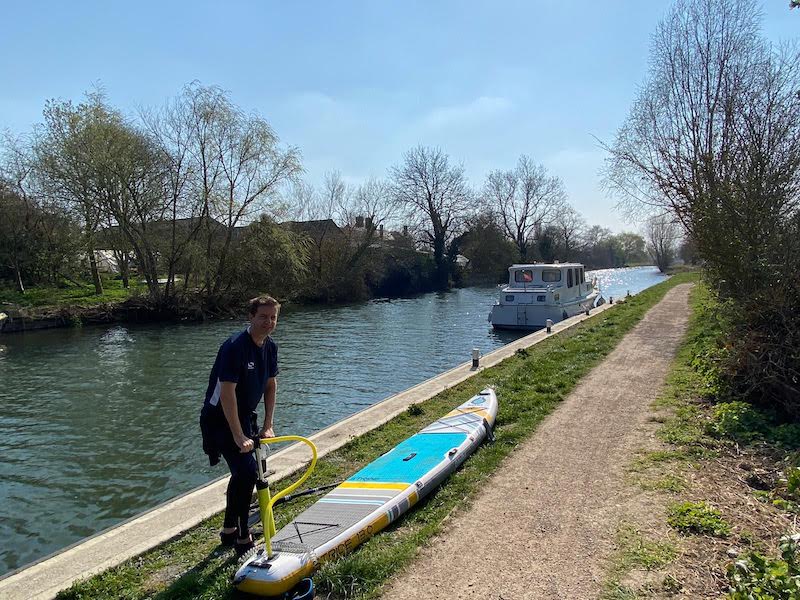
point(251, 366)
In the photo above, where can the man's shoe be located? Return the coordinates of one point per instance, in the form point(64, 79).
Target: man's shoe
point(244, 547)
point(229, 539)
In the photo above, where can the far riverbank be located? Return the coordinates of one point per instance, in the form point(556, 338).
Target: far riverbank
point(76, 307)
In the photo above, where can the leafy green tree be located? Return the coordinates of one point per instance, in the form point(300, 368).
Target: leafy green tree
point(92, 158)
point(268, 258)
point(489, 251)
point(64, 155)
point(547, 244)
point(38, 243)
point(632, 248)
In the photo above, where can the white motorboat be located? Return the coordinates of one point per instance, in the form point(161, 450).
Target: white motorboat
point(538, 292)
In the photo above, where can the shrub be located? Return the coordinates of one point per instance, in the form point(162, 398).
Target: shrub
point(743, 422)
point(737, 420)
point(760, 578)
point(793, 481)
point(698, 517)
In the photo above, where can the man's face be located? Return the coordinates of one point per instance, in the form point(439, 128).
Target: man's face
point(265, 320)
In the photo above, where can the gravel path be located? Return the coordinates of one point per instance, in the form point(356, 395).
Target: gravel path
point(545, 525)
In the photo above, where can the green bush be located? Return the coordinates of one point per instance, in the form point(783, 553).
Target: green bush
point(738, 420)
point(744, 423)
point(793, 481)
point(761, 578)
point(787, 434)
point(698, 517)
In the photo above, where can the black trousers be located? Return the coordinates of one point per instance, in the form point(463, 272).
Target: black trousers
point(240, 489)
point(217, 439)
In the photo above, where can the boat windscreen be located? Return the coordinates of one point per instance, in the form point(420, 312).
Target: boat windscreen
point(523, 276)
point(551, 275)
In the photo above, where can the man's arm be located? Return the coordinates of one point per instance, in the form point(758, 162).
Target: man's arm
point(270, 391)
point(231, 410)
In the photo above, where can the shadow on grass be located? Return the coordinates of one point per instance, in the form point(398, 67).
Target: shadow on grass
point(209, 575)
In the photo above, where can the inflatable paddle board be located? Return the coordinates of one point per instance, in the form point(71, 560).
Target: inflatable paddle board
point(369, 500)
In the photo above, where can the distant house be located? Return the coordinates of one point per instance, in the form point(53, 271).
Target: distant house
point(381, 237)
point(110, 243)
point(318, 231)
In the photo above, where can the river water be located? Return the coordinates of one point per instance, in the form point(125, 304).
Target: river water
point(98, 424)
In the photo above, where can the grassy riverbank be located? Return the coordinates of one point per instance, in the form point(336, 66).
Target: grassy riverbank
point(725, 482)
point(529, 385)
point(70, 295)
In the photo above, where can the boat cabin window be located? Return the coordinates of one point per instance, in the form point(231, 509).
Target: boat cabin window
point(551, 275)
point(583, 276)
point(569, 277)
point(523, 276)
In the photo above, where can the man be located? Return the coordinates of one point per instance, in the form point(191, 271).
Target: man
point(243, 373)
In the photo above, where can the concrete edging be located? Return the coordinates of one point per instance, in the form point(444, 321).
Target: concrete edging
point(42, 580)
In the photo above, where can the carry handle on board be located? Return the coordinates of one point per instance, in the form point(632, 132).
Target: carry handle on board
point(265, 500)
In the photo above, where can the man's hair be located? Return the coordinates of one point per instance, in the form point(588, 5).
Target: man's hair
point(259, 301)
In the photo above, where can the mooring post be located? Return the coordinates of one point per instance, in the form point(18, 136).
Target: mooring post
point(549, 324)
point(476, 355)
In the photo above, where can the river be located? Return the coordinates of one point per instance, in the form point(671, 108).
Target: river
point(98, 424)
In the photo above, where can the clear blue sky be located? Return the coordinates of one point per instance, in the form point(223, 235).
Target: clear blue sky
point(356, 84)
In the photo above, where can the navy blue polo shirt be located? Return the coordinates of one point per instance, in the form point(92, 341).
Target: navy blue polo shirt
point(242, 362)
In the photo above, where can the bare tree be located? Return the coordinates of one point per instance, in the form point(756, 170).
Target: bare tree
point(570, 226)
point(325, 207)
point(373, 201)
point(341, 223)
point(714, 137)
point(436, 197)
point(526, 199)
point(662, 234)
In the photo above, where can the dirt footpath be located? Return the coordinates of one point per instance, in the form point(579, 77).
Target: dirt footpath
point(545, 525)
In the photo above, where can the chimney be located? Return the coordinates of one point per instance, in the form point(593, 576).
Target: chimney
point(359, 221)
point(381, 231)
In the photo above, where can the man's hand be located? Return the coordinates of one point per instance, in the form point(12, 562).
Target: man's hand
point(266, 432)
point(245, 445)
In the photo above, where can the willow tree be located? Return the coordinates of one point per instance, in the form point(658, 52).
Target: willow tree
point(63, 154)
point(224, 169)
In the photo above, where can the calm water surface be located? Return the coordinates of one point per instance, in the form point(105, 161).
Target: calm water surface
point(100, 423)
